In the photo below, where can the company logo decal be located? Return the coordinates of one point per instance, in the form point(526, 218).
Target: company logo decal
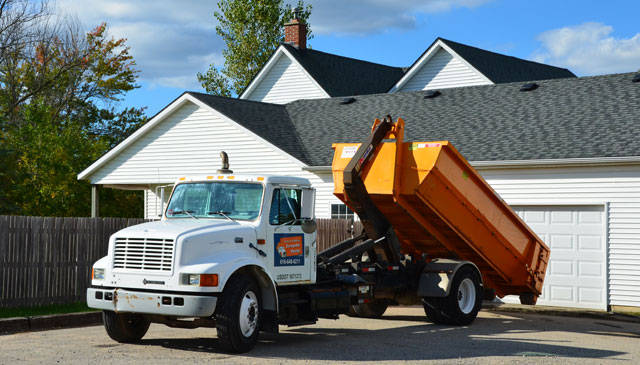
point(289, 249)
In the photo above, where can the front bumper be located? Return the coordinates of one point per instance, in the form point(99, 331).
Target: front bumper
point(168, 304)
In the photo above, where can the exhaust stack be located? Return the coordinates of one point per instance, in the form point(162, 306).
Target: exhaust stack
point(225, 164)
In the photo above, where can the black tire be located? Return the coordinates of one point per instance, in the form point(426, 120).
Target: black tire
point(528, 298)
point(463, 303)
point(232, 335)
point(432, 310)
point(369, 310)
point(489, 294)
point(125, 327)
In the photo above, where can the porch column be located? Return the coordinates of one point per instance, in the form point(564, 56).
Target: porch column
point(95, 205)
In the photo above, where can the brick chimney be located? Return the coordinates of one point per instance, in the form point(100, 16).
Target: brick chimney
point(295, 32)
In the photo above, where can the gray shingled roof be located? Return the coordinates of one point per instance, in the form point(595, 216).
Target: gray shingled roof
point(344, 76)
point(341, 76)
point(564, 118)
point(584, 117)
point(269, 121)
point(503, 69)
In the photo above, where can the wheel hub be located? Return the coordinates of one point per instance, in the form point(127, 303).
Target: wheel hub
point(466, 296)
point(249, 314)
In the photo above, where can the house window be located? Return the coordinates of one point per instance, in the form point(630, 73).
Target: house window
point(341, 211)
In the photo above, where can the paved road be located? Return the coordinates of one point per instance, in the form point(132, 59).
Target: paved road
point(401, 336)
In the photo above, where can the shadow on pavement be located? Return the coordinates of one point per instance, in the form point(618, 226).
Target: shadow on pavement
point(420, 340)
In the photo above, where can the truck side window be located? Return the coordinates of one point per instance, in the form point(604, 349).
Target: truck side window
point(282, 203)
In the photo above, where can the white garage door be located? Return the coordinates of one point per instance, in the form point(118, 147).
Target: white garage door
point(576, 274)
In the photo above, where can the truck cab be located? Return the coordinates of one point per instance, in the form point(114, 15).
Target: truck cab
point(256, 231)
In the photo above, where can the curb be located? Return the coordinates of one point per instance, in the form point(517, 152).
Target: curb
point(559, 312)
point(41, 323)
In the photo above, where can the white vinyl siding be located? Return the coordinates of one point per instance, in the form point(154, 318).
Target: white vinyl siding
point(153, 207)
point(624, 253)
point(324, 194)
point(188, 142)
point(284, 82)
point(618, 187)
point(442, 71)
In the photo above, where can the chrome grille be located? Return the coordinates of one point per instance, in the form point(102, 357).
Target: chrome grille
point(154, 254)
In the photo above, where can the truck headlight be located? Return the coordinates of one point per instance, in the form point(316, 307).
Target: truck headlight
point(203, 279)
point(194, 279)
point(97, 274)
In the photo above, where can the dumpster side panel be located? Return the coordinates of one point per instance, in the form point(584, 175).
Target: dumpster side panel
point(439, 205)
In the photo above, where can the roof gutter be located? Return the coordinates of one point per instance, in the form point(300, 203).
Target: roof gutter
point(509, 164)
point(561, 162)
point(317, 169)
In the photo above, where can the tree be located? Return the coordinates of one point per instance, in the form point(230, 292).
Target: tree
point(48, 158)
point(58, 110)
point(251, 30)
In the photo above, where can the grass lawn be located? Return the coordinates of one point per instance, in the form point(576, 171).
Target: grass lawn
point(49, 309)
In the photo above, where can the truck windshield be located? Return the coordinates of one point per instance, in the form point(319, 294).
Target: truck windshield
point(221, 200)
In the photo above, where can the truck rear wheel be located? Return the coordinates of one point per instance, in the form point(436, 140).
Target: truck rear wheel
point(374, 309)
point(238, 314)
point(125, 327)
point(463, 303)
point(432, 310)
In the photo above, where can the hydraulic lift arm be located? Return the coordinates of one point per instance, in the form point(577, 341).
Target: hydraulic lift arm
point(374, 222)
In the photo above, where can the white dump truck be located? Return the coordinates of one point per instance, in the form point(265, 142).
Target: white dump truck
point(238, 252)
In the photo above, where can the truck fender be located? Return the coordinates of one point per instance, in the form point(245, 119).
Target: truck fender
point(251, 266)
point(268, 286)
point(437, 276)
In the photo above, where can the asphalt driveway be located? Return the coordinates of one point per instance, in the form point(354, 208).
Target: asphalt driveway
point(402, 335)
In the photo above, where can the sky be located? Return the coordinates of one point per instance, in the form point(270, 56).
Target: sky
point(172, 41)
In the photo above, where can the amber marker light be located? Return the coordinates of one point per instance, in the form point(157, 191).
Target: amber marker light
point(208, 279)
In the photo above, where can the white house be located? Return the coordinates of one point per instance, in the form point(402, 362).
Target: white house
point(563, 151)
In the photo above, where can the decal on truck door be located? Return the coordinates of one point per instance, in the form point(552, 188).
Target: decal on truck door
point(289, 249)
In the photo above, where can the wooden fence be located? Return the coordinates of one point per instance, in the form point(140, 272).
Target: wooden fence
point(48, 260)
point(332, 231)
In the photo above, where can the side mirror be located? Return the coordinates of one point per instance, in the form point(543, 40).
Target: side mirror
point(309, 226)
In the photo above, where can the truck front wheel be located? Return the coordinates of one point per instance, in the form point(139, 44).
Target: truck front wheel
point(238, 314)
point(125, 327)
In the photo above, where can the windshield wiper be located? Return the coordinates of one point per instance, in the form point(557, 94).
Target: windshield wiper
point(222, 213)
point(187, 212)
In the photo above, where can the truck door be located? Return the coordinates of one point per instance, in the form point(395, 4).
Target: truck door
point(290, 259)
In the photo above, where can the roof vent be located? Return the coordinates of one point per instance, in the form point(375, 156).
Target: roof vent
point(347, 101)
point(432, 94)
point(636, 78)
point(529, 86)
